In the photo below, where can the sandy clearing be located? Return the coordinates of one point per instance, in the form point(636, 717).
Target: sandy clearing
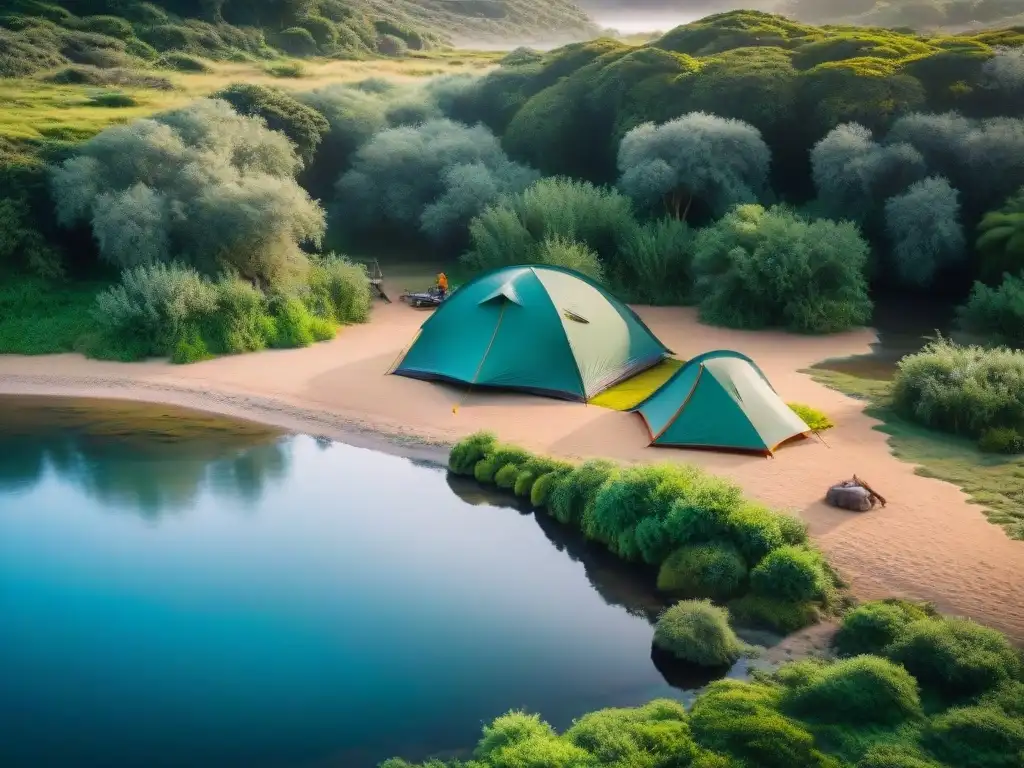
point(929, 543)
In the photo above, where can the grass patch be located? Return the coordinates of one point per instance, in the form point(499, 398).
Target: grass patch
point(291, 69)
point(812, 417)
point(698, 632)
point(992, 481)
point(40, 317)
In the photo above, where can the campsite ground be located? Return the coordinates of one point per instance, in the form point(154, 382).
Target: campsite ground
point(928, 543)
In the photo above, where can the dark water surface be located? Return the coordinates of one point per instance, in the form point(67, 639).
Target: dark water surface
point(181, 590)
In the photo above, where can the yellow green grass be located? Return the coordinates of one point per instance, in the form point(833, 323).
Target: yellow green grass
point(34, 109)
point(993, 482)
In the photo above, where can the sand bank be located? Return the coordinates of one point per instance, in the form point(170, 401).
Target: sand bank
point(929, 543)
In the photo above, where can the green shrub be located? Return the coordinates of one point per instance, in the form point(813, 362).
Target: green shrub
point(297, 41)
point(996, 313)
point(655, 263)
point(704, 570)
point(792, 529)
point(698, 632)
point(496, 459)
point(576, 492)
point(742, 720)
point(704, 512)
point(754, 270)
point(755, 529)
point(1009, 697)
point(293, 325)
point(86, 75)
point(506, 477)
point(466, 453)
point(856, 691)
point(961, 390)
point(1000, 244)
point(629, 513)
point(523, 487)
point(790, 573)
point(339, 290)
point(111, 26)
point(183, 62)
point(544, 486)
point(871, 627)
point(894, 756)
point(655, 734)
point(781, 616)
point(1004, 440)
point(812, 417)
point(954, 657)
point(559, 252)
point(980, 737)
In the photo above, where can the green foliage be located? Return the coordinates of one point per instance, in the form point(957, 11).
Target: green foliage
point(698, 632)
point(467, 452)
point(514, 230)
point(182, 62)
point(790, 573)
point(559, 252)
point(296, 41)
point(40, 316)
point(1001, 240)
point(339, 290)
point(955, 657)
point(575, 493)
point(496, 459)
point(704, 570)
point(811, 416)
point(961, 390)
point(759, 268)
point(720, 162)
point(894, 756)
point(871, 627)
point(506, 477)
point(652, 735)
point(202, 181)
point(924, 226)
point(543, 487)
point(281, 111)
point(654, 263)
point(783, 616)
point(432, 178)
point(1005, 440)
point(742, 720)
point(855, 691)
point(292, 69)
point(976, 736)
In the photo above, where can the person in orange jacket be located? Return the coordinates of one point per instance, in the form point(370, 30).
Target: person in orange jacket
point(442, 284)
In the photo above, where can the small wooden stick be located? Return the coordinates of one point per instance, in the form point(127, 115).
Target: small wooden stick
point(870, 490)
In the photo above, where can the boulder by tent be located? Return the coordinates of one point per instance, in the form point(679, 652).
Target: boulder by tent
point(539, 329)
point(720, 400)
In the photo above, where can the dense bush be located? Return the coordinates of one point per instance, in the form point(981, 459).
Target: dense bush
point(575, 493)
point(654, 263)
point(976, 736)
point(996, 313)
point(514, 230)
point(465, 454)
point(855, 691)
point(698, 632)
point(924, 227)
point(720, 162)
point(183, 62)
point(431, 178)
point(1001, 240)
point(955, 657)
point(214, 188)
point(961, 390)
point(759, 268)
point(871, 627)
point(704, 570)
point(281, 111)
point(790, 573)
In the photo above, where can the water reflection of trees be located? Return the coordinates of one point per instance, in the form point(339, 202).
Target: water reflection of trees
point(618, 583)
point(150, 459)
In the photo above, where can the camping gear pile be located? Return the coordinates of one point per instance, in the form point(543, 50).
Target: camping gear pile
point(855, 495)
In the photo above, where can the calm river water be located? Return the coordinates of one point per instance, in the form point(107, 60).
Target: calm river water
point(182, 590)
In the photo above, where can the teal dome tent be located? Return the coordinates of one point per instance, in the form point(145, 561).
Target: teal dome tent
point(720, 400)
point(539, 329)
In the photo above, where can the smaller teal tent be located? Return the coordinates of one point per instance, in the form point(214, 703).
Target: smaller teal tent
point(720, 400)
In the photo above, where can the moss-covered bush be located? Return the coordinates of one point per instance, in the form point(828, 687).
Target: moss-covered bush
point(955, 657)
point(790, 573)
point(469, 451)
point(859, 690)
point(576, 492)
point(715, 571)
point(506, 477)
point(783, 616)
point(871, 627)
point(500, 456)
point(976, 736)
point(698, 632)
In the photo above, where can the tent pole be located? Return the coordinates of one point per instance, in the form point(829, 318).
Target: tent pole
point(462, 400)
